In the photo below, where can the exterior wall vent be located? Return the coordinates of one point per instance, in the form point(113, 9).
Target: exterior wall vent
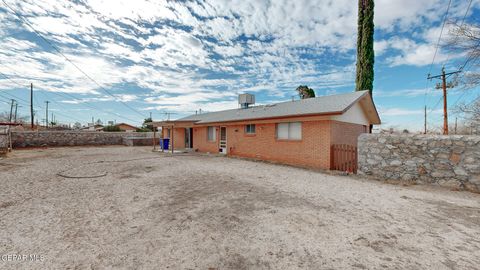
point(245, 100)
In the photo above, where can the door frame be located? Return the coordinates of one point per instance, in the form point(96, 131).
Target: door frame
point(223, 149)
point(188, 138)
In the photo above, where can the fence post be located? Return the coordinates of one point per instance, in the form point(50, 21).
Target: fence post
point(332, 157)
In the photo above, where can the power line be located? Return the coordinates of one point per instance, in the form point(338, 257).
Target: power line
point(66, 94)
point(435, 106)
point(27, 102)
point(469, 58)
point(439, 37)
point(38, 107)
point(436, 49)
point(461, 25)
point(68, 59)
point(466, 70)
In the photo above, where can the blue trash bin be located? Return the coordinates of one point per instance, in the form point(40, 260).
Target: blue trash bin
point(165, 143)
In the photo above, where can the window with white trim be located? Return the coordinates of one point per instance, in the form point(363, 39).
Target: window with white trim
point(250, 129)
point(289, 131)
point(211, 134)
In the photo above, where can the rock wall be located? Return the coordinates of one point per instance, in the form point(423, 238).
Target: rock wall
point(451, 161)
point(139, 141)
point(3, 143)
point(72, 138)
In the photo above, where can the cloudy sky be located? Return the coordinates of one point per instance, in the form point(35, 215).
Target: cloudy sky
point(122, 60)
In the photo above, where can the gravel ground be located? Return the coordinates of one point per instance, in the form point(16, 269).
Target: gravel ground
point(157, 211)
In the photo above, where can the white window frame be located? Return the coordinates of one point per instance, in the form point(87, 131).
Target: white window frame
point(214, 134)
point(290, 132)
point(249, 131)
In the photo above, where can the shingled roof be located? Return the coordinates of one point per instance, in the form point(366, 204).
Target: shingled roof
point(323, 105)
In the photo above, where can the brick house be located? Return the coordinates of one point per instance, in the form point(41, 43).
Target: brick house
point(299, 132)
point(126, 127)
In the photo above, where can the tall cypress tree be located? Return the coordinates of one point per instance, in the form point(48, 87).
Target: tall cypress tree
point(365, 53)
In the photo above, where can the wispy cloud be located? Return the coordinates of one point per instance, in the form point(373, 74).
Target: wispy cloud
point(169, 55)
point(405, 112)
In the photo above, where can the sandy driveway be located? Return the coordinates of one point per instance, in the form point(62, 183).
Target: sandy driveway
point(155, 211)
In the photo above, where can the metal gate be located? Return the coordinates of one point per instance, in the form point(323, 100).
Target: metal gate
point(344, 158)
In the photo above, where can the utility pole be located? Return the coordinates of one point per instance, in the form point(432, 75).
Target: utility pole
point(444, 87)
point(456, 120)
point(445, 113)
point(11, 111)
point(31, 103)
point(150, 115)
point(46, 114)
point(16, 108)
point(425, 121)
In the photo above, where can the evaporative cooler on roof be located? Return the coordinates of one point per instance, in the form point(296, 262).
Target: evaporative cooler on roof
point(245, 100)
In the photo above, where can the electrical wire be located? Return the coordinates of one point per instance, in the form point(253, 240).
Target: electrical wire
point(38, 106)
point(461, 25)
point(68, 59)
point(71, 96)
point(439, 37)
point(427, 92)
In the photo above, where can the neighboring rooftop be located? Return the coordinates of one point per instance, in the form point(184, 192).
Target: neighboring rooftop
point(334, 104)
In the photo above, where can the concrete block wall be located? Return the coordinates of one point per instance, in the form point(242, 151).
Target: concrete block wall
point(451, 161)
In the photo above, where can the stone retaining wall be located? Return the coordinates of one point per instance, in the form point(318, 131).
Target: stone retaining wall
point(139, 141)
point(72, 138)
point(452, 161)
point(3, 143)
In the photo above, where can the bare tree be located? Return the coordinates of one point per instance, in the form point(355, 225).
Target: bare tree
point(465, 39)
point(471, 111)
point(5, 117)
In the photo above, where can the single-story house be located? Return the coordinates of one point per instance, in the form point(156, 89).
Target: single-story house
point(126, 127)
point(91, 127)
point(298, 132)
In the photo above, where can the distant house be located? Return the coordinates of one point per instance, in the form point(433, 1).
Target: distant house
point(91, 127)
point(126, 127)
point(299, 132)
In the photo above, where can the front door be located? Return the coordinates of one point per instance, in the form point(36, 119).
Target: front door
point(223, 140)
point(188, 138)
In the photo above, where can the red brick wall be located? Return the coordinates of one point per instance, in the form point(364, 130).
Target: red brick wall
point(200, 141)
point(126, 127)
point(346, 133)
point(312, 151)
point(164, 133)
point(178, 137)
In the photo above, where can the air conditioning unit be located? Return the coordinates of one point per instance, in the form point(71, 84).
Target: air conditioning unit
point(245, 100)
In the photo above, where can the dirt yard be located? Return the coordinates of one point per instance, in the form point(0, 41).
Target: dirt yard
point(157, 211)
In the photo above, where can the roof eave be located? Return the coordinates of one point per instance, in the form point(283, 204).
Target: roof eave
point(376, 119)
point(170, 122)
point(271, 118)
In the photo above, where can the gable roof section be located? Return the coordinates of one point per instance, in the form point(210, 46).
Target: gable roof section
point(324, 105)
point(125, 124)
